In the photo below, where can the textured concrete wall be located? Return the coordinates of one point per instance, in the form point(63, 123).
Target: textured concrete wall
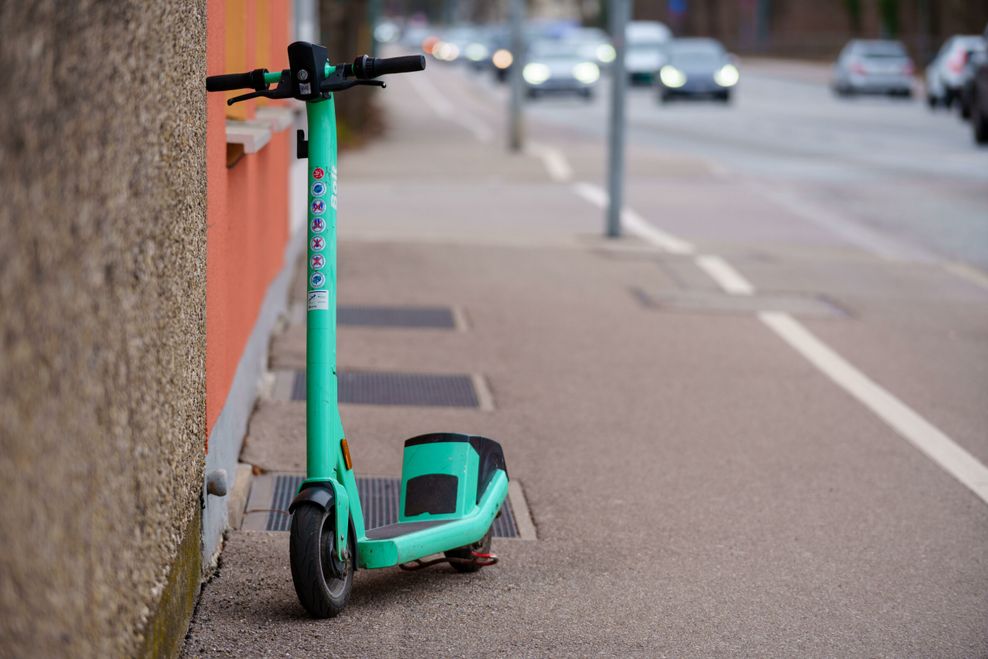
point(102, 267)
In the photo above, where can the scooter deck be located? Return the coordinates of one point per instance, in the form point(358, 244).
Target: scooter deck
point(391, 545)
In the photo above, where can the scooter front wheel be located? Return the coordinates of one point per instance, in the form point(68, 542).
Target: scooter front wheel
point(322, 581)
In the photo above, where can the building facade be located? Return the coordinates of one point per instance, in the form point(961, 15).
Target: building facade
point(144, 256)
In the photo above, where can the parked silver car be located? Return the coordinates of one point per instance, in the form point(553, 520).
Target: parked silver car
point(874, 67)
point(946, 74)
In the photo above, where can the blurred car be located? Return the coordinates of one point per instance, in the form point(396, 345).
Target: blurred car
point(645, 43)
point(454, 42)
point(945, 76)
point(877, 66)
point(975, 60)
point(502, 56)
point(559, 66)
point(979, 101)
point(697, 68)
point(414, 35)
point(596, 45)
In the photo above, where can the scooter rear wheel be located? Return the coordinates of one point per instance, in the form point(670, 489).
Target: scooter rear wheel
point(463, 558)
point(322, 581)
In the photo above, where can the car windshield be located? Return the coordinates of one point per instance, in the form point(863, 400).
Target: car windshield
point(555, 50)
point(696, 57)
point(881, 50)
point(645, 46)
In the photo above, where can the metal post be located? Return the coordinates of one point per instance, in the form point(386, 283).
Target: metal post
point(620, 14)
point(516, 130)
point(373, 17)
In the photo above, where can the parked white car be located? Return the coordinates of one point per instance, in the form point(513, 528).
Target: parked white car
point(945, 76)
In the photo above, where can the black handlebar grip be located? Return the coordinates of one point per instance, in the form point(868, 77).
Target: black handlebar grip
point(228, 82)
point(371, 67)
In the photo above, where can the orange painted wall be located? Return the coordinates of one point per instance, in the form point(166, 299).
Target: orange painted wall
point(247, 205)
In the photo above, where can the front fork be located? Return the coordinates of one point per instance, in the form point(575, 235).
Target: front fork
point(325, 462)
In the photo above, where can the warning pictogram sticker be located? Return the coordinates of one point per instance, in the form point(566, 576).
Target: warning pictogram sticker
point(318, 225)
point(318, 173)
point(317, 262)
point(318, 207)
point(317, 280)
point(317, 243)
point(318, 189)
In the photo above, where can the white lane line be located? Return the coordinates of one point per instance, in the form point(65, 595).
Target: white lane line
point(725, 275)
point(967, 273)
point(918, 431)
point(554, 161)
point(442, 107)
point(635, 223)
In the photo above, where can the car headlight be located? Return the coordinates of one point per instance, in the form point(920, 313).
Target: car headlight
point(606, 53)
point(476, 52)
point(536, 73)
point(502, 58)
point(586, 72)
point(672, 77)
point(727, 76)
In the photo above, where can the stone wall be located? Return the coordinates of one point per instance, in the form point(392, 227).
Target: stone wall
point(102, 303)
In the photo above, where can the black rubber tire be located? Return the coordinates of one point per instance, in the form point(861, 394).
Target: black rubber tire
point(312, 557)
point(482, 546)
point(979, 120)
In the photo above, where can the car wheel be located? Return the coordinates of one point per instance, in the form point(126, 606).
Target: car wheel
point(931, 101)
point(980, 121)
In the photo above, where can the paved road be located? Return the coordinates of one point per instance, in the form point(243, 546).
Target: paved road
point(888, 165)
point(705, 478)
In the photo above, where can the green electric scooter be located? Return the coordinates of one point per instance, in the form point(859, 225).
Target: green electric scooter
point(452, 485)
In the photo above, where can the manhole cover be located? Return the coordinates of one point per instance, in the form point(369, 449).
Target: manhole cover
point(412, 317)
point(697, 301)
point(378, 498)
point(415, 389)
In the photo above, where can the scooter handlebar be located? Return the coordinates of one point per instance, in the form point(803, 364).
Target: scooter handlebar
point(371, 67)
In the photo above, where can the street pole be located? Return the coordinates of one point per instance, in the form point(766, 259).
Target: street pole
point(373, 17)
point(516, 128)
point(620, 14)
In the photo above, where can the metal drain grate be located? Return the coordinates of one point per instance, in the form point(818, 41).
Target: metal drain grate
point(415, 317)
point(716, 302)
point(416, 389)
point(379, 500)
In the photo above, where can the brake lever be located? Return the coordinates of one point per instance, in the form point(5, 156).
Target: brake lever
point(282, 90)
point(247, 97)
point(333, 86)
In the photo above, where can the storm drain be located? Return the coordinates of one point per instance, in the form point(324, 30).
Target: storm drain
point(416, 389)
point(411, 317)
point(716, 302)
point(378, 498)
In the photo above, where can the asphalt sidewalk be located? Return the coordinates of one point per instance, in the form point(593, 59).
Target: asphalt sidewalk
point(695, 489)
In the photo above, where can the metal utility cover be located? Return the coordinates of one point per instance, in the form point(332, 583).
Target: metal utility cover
point(414, 389)
point(411, 317)
point(378, 498)
point(718, 302)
